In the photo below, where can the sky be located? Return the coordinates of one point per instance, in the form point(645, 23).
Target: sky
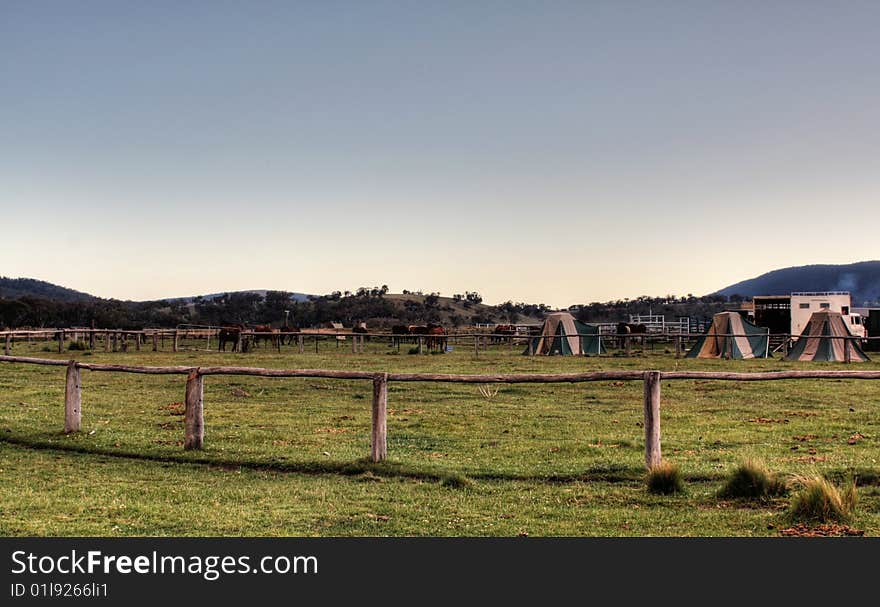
point(546, 152)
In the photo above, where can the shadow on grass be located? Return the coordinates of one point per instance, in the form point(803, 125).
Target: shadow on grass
point(602, 473)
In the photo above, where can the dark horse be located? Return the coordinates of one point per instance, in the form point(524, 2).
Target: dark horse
point(398, 334)
point(273, 339)
point(288, 329)
point(626, 328)
point(229, 333)
point(503, 333)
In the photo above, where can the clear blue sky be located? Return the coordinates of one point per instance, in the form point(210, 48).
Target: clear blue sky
point(554, 152)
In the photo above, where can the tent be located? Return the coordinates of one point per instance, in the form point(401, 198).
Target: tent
point(822, 340)
point(563, 334)
point(748, 341)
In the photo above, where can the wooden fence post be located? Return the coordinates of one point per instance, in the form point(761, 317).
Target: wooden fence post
point(106, 341)
point(174, 347)
point(194, 420)
point(91, 339)
point(421, 344)
point(785, 346)
point(847, 353)
point(300, 342)
point(8, 343)
point(137, 342)
point(60, 341)
point(379, 436)
point(72, 399)
point(627, 345)
point(531, 346)
point(155, 342)
point(354, 344)
point(678, 346)
point(476, 346)
point(728, 352)
point(652, 418)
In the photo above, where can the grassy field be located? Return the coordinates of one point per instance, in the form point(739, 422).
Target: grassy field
point(287, 456)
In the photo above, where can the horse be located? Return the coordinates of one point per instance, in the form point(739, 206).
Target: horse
point(626, 328)
point(273, 339)
point(290, 331)
point(361, 327)
point(503, 333)
point(398, 333)
point(437, 338)
point(229, 333)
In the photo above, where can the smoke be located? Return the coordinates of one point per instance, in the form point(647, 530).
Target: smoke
point(848, 281)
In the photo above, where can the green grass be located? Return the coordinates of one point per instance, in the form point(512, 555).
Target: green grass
point(287, 456)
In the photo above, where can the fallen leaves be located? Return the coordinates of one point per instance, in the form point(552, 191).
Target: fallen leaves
point(825, 530)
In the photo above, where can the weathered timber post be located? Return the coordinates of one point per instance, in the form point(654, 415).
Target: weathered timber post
point(379, 436)
point(137, 342)
point(847, 353)
point(176, 338)
point(8, 343)
point(60, 341)
point(421, 344)
point(278, 339)
point(72, 399)
point(785, 346)
point(728, 353)
point(300, 342)
point(124, 342)
point(627, 346)
point(155, 342)
point(678, 346)
point(354, 344)
point(531, 346)
point(91, 339)
point(652, 418)
point(106, 341)
point(194, 416)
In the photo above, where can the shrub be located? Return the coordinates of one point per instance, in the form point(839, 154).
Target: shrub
point(819, 500)
point(752, 480)
point(665, 479)
point(77, 345)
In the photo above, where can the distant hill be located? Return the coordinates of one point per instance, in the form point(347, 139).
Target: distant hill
point(262, 292)
point(862, 279)
point(14, 288)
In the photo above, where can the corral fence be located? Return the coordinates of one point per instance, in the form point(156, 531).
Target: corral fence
point(194, 423)
point(115, 340)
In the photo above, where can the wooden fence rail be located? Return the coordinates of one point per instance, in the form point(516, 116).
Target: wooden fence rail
point(194, 423)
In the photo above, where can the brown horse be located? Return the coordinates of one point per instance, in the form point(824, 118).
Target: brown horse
point(273, 339)
point(437, 338)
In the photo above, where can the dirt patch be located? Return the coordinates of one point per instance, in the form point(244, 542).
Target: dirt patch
point(827, 530)
point(800, 413)
point(331, 430)
point(766, 420)
point(805, 437)
point(173, 408)
point(856, 438)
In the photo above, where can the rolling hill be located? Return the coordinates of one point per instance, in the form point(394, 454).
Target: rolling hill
point(14, 288)
point(862, 279)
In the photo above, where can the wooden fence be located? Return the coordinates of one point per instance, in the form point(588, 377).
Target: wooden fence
point(115, 340)
point(194, 424)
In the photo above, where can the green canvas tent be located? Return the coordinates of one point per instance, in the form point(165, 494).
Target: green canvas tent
point(823, 339)
point(562, 334)
point(748, 341)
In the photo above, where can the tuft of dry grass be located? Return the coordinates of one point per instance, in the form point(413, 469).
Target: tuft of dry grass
point(665, 479)
point(820, 501)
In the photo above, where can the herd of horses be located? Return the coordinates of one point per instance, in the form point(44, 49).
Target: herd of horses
point(239, 335)
point(433, 336)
